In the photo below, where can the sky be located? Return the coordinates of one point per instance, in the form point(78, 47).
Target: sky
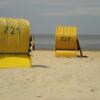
point(45, 15)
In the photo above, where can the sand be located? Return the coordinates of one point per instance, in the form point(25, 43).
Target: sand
point(52, 78)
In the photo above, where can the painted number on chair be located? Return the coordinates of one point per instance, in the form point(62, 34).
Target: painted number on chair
point(63, 38)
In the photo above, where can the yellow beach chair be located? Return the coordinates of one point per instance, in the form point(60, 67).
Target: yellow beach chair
point(66, 42)
point(15, 43)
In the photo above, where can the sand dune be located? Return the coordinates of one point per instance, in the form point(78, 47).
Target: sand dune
point(52, 78)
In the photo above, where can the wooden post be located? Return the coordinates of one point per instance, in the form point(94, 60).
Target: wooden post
point(79, 48)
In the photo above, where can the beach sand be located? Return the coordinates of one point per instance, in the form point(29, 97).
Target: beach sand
point(52, 78)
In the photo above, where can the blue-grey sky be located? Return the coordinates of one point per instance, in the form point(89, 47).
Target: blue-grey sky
point(44, 15)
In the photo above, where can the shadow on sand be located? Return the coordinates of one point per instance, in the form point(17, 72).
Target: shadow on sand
point(41, 66)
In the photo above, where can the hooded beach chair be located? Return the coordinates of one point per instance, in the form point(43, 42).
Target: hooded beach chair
point(15, 43)
point(66, 42)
